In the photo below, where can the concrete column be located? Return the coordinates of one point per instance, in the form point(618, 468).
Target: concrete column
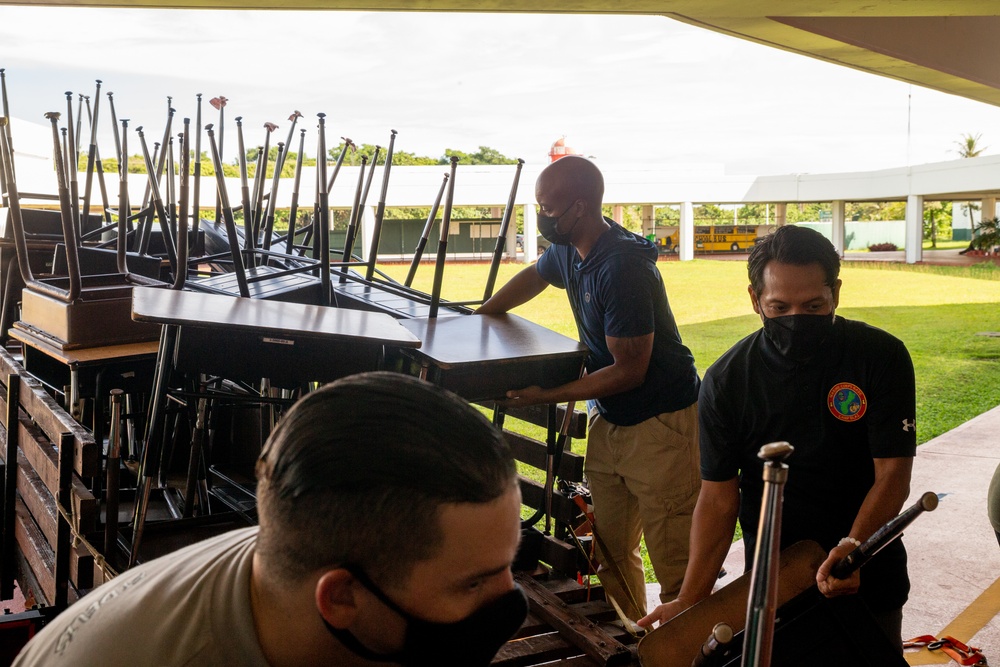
point(530, 233)
point(686, 232)
point(780, 213)
point(618, 213)
point(510, 245)
point(648, 226)
point(837, 229)
point(988, 208)
point(914, 229)
point(367, 229)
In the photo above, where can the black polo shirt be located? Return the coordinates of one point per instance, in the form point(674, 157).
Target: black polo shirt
point(851, 404)
point(618, 291)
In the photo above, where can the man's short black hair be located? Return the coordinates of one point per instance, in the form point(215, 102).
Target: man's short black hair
point(356, 472)
point(791, 244)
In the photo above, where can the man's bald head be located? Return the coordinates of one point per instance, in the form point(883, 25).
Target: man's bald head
point(570, 178)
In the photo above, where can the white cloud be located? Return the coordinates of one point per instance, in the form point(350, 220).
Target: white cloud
point(624, 88)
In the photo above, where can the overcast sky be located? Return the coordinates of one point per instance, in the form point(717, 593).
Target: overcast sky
point(620, 88)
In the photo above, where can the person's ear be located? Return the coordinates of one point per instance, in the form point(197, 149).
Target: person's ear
point(753, 299)
point(337, 597)
point(836, 293)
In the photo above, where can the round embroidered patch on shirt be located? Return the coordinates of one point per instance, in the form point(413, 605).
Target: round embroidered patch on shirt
point(847, 402)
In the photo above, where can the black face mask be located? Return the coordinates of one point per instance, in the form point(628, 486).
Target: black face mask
point(798, 337)
point(547, 227)
point(472, 641)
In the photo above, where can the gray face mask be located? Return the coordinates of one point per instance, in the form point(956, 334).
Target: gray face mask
point(470, 642)
point(798, 337)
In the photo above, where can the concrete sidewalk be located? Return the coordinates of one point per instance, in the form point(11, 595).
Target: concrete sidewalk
point(954, 558)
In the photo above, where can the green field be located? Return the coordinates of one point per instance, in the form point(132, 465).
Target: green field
point(939, 312)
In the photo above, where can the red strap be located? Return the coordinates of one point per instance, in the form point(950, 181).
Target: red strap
point(918, 642)
point(958, 651)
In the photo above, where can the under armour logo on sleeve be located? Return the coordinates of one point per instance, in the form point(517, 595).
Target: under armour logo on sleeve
point(909, 424)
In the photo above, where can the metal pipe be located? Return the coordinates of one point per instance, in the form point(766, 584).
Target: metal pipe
point(717, 642)
point(68, 228)
point(158, 207)
point(884, 536)
point(272, 200)
point(227, 216)
point(145, 211)
point(171, 185)
point(114, 126)
point(358, 215)
point(502, 235)
point(124, 206)
point(442, 242)
point(219, 103)
point(73, 162)
point(418, 253)
point(113, 469)
point(260, 179)
point(154, 437)
point(79, 132)
point(355, 210)
point(100, 171)
point(6, 114)
point(244, 184)
point(196, 192)
point(124, 211)
point(762, 602)
point(380, 211)
point(180, 275)
point(91, 153)
point(294, 211)
point(323, 213)
point(17, 222)
point(294, 118)
point(194, 459)
point(157, 174)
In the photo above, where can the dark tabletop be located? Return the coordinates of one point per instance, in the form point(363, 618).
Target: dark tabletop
point(452, 341)
point(164, 306)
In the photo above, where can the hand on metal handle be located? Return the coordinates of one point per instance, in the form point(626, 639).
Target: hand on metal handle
point(884, 536)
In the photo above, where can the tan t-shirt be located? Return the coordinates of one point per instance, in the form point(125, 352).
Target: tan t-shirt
point(190, 607)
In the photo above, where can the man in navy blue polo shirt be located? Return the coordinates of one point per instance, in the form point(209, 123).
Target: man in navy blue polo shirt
point(642, 449)
point(842, 393)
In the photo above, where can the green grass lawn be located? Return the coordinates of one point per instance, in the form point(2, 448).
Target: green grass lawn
point(939, 312)
point(943, 244)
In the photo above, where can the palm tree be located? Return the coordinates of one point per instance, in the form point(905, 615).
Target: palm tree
point(987, 235)
point(968, 146)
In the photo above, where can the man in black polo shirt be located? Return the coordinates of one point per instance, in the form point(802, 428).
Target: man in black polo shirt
point(642, 445)
point(842, 393)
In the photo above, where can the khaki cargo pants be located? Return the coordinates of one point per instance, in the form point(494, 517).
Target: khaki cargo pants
point(644, 479)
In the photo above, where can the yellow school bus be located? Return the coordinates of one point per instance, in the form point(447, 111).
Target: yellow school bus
point(734, 238)
point(713, 238)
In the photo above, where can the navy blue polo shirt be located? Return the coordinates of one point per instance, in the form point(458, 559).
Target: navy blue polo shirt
point(618, 291)
point(853, 403)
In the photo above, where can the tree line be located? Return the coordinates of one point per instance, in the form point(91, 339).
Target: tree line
point(485, 155)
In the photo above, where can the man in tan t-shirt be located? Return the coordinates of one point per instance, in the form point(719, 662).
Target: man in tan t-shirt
point(389, 519)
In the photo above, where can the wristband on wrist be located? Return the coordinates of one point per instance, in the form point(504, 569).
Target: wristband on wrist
point(849, 540)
